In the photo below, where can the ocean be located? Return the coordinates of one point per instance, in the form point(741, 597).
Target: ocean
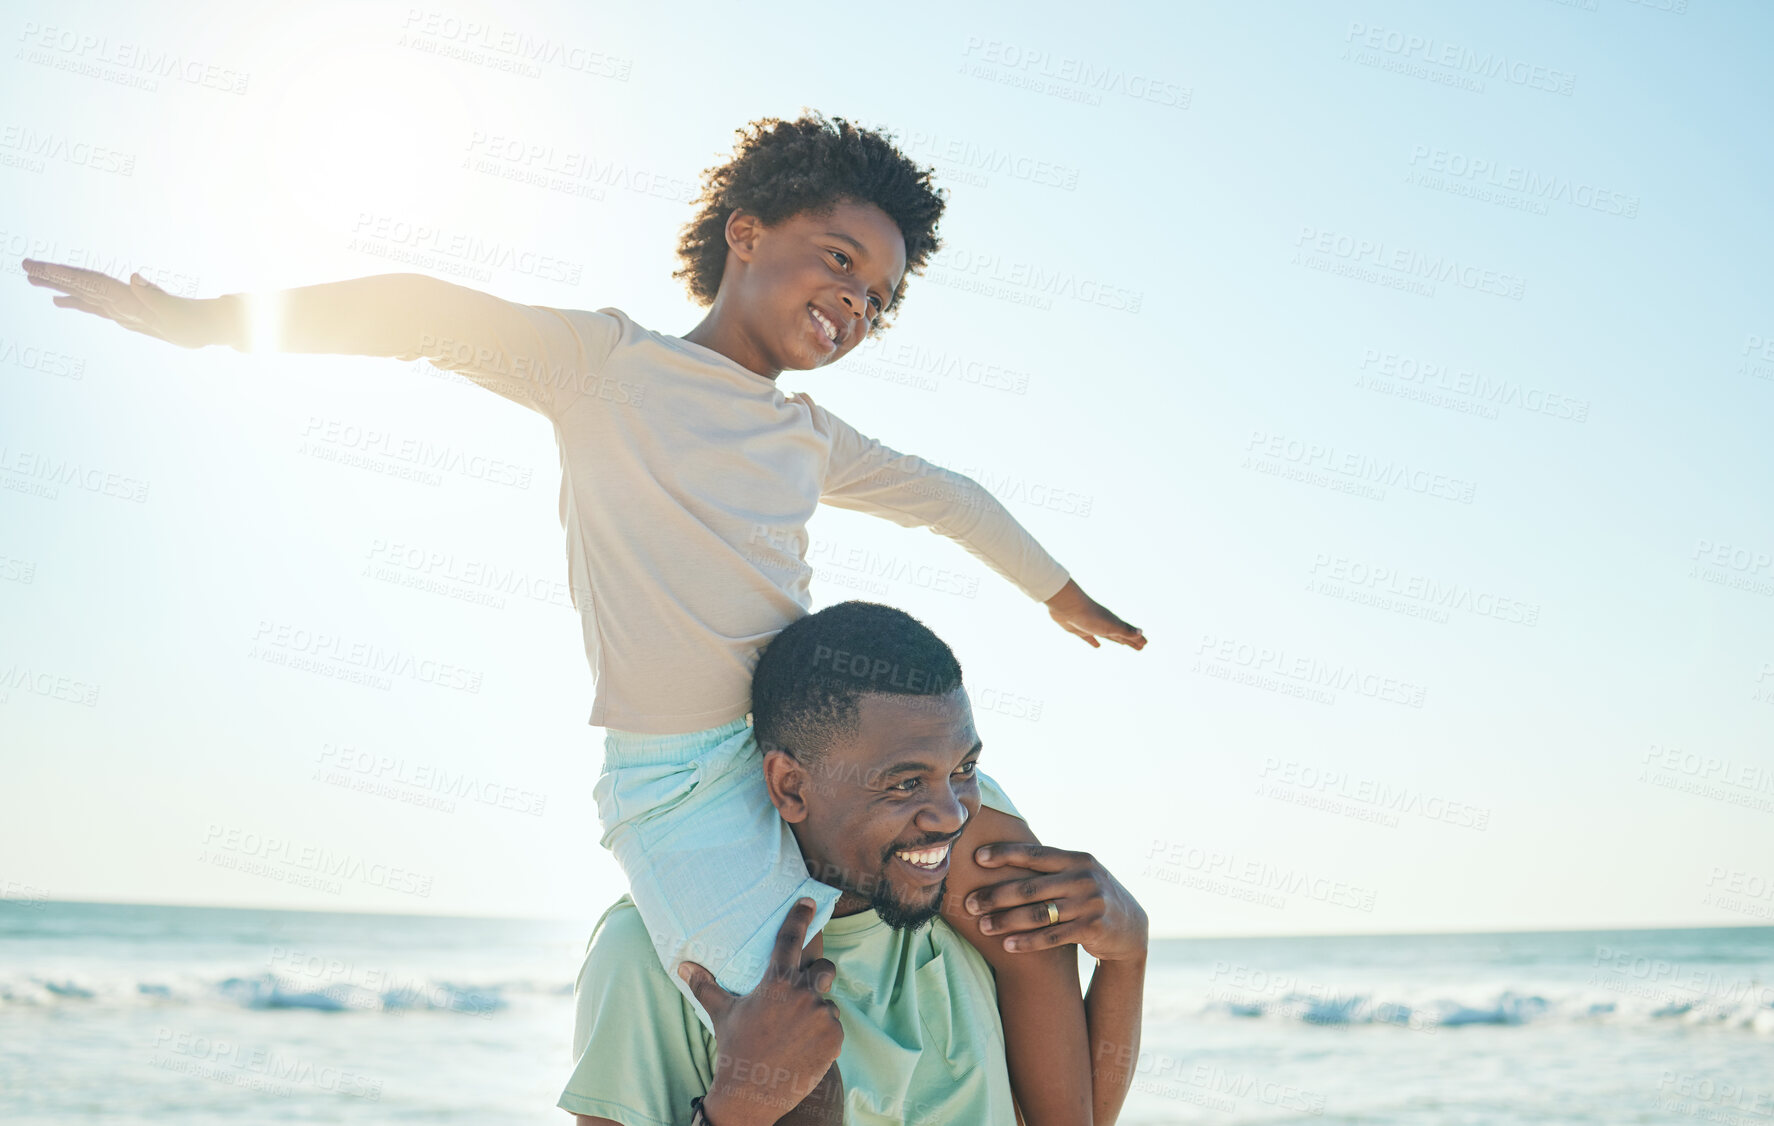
point(123, 1013)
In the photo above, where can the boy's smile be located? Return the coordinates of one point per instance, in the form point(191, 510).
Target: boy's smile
point(805, 292)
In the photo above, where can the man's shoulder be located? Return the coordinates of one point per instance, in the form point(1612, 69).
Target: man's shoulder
point(641, 1052)
point(621, 933)
point(619, 956)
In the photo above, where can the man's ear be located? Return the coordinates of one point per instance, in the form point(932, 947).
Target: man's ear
point(787, 781)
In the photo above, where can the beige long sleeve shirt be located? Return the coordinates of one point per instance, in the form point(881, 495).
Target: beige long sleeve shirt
point(687, 482)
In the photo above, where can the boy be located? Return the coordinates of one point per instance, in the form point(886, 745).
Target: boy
point(687, 481)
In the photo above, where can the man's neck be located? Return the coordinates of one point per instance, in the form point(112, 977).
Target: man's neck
point(849, 904)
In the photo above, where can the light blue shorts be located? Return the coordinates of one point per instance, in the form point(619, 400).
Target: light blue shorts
point(712, 867)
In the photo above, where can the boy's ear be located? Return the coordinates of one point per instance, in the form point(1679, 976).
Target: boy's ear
point(787, 781)
point(743, 229)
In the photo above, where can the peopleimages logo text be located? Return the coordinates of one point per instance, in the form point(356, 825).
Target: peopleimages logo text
point(1405, 261)
point(1457, 57)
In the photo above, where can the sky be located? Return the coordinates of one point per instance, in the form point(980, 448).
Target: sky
point(1403, 370)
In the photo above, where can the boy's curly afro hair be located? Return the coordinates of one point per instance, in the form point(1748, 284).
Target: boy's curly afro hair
point(781, 169)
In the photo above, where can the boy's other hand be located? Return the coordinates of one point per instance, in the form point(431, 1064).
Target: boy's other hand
point(1079, 614)
point(139, 305)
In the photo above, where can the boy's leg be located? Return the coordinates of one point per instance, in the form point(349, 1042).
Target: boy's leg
point(711, 866)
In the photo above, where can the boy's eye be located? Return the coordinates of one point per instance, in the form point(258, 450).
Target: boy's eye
point(844, 260)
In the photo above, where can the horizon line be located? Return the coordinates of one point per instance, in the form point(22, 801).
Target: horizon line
point(30, 904)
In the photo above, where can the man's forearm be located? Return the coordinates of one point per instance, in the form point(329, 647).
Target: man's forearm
point(1113, 1007)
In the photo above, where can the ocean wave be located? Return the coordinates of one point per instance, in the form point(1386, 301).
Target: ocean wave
point(1748, 1006)
point(1504, 1008)
point(266, 990)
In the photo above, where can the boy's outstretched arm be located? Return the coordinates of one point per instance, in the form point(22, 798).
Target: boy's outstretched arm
point(532, 354)
point(1089, 908)
point(867, 476)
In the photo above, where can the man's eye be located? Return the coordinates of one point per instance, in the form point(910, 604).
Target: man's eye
point(905, 787)
point(967, 769)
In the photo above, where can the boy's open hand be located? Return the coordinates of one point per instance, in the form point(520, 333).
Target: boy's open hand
point(138, 305)
point(1084, 616)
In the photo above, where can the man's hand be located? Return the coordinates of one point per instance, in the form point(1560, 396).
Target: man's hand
point(1084, 616)
point(774, 1045)
point(141, 306)
point(1094, 910)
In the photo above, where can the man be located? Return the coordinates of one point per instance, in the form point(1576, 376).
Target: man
point(869, 755)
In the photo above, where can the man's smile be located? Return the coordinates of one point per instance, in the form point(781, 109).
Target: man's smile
point(928, 863)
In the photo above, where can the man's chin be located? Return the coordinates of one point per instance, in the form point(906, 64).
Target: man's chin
point(903, 914)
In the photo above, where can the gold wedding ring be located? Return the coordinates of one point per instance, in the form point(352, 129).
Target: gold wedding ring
point(1052, 912)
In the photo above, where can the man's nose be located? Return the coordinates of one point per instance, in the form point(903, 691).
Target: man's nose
point(944, 814)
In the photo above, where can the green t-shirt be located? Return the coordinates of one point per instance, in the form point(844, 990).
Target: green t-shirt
point(922, 1039)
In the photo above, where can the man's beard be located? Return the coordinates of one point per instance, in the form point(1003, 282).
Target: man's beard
point(902, 916)
point(877, 891)
point(896, 912)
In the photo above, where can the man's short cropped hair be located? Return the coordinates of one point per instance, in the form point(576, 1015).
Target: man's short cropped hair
point(808, 681)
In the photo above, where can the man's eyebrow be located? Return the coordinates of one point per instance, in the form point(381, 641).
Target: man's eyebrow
point(919, 766)
point(908, 767)
point(861, 250)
